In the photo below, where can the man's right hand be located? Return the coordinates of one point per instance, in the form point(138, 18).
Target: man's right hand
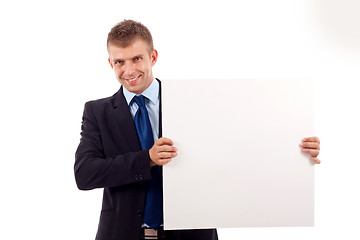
point(162, 152)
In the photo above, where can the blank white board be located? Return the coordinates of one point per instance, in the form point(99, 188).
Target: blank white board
point(239, 163)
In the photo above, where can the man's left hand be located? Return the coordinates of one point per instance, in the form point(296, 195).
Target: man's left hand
point(311, 145)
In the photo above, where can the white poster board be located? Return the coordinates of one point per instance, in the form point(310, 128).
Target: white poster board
point(239, 163)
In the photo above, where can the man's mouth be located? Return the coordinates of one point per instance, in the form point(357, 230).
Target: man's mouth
point(131, 80)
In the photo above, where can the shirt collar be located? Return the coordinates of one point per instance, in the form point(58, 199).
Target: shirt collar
point(152, 93)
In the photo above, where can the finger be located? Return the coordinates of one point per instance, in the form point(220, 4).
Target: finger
point(165, 155)
point(167, 148)
point(312, 152)
point(313, 145)
point(164, 141)
point(163, 161)
point(315, 160)
point(311, 139)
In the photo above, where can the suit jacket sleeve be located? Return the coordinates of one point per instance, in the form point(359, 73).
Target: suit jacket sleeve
point(94, 168)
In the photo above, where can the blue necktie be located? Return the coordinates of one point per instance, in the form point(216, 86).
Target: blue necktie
point(153, 214)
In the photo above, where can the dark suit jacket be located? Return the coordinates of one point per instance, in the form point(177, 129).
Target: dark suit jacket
point(109, 156)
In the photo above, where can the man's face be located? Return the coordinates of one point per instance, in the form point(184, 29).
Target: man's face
point(133, 65)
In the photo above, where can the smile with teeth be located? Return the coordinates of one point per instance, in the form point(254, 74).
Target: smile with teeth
point(133, 79)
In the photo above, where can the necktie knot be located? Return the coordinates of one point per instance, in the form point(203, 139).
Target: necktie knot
point(140, 100)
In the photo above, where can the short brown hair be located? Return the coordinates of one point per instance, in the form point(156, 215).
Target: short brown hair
point(125, 32)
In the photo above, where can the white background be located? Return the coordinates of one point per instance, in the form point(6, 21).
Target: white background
point(53, 59)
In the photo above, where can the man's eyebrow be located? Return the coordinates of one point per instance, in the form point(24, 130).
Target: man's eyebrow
point(139, 55)
point(136, 56)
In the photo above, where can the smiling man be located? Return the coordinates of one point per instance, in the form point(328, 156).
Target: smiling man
point(121, 148)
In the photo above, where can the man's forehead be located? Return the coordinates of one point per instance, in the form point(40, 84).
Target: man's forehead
point(135, 48)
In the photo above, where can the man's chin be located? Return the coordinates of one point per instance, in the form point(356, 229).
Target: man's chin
point(133, 89)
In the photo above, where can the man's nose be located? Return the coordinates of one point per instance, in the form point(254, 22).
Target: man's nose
point(129, 69)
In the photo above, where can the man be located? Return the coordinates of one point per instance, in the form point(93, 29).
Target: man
point(121, 148)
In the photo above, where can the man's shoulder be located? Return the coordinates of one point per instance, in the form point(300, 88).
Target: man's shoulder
point(102, 103)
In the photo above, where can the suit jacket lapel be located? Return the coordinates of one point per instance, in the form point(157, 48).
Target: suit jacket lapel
point(126, 123)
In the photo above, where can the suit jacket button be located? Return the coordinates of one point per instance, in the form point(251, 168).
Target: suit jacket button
point(136, 177)
point(140, 177)
point(139, 213)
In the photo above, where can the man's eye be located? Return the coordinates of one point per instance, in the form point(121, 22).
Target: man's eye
point(137, 58)
point(118, 62)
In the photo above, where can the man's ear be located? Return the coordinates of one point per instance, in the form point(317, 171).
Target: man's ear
point(112, 66)
point(154, 57)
